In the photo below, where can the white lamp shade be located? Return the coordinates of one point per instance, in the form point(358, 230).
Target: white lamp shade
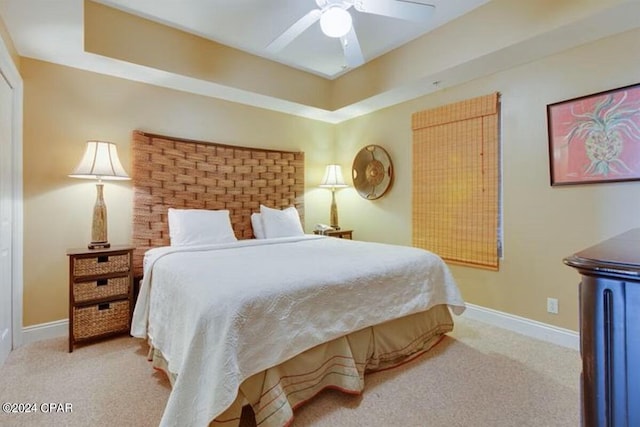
point(100, 161)
point(335, 21)
point(333, 177)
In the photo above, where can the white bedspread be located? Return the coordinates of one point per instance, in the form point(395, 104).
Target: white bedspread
point(222, 313)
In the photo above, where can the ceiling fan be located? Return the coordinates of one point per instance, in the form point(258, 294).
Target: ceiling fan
point(335, 21)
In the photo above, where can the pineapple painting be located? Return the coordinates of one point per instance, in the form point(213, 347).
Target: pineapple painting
point(596, 138)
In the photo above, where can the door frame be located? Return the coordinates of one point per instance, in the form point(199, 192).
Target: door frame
point(10, 72)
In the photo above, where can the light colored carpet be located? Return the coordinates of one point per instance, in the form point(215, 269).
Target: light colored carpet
point(479, 376)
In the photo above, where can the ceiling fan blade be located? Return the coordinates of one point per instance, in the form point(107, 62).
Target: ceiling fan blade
point(401, 9)
point(294, 31)
point(351, 47)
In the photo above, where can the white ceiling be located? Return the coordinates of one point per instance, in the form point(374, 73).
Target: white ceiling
point(52, 31)
point(250, 25)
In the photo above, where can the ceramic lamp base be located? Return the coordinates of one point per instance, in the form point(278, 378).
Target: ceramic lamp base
point(99, 225)
point(99, 245)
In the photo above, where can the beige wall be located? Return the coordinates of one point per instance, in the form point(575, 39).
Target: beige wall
point(115, 34)
point(501, 28)
point(64, 107)
point(473, 44)
point(541, 224)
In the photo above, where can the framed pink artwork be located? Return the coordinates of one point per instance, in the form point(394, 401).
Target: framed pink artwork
point(595, 138)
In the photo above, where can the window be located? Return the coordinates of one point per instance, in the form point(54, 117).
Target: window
point(456, 181)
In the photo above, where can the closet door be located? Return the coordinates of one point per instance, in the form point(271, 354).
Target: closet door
point(6, 220)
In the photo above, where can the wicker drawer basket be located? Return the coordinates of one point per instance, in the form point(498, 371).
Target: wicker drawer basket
point(100, 319)
point(102, 288)
point(100, 265)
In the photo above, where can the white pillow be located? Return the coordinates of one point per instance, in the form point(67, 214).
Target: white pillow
point(281, 223)
point(256, 224)
point(199, 227)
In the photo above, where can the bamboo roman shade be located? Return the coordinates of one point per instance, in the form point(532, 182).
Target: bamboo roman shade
point(456, 181)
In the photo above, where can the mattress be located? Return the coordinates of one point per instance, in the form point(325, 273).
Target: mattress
point(221, 314)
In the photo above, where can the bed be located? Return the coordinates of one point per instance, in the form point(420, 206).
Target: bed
point(266, 322)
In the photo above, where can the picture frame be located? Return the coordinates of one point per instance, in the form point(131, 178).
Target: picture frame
point(595, 138)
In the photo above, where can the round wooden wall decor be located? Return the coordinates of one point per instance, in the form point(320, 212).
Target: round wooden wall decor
point(372, 172)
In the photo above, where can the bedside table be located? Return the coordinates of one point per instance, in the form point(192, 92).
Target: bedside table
point(100, 292)
point(342, 234)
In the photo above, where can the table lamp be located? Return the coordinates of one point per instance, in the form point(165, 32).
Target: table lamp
point(100, 162)
point(333, 179)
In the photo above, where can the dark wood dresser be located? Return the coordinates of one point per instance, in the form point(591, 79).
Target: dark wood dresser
point(610, 330)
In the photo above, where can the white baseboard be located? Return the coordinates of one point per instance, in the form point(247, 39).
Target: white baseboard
point(521, 325)
point(45, 331)
point(524, 326)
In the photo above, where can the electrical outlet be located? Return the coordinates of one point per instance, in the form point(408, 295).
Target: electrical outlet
point(552, 305)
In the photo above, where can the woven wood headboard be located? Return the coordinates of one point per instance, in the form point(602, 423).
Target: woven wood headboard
point(172, 172)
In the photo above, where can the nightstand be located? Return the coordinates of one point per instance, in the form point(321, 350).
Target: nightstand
point(100, 292)
point(342, 234)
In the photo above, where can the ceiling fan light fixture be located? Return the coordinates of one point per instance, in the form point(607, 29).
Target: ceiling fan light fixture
point(335, 21)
